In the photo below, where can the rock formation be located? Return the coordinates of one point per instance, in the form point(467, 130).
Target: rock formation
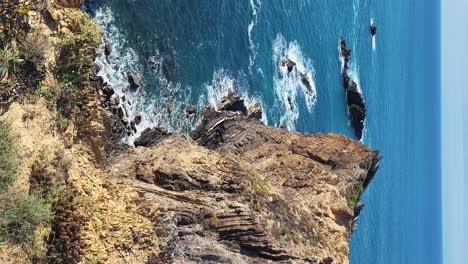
point(232, 102)
point(373, 29)
point(291, 65)
point(242, 192)
point(356, 106)
point(236, 191)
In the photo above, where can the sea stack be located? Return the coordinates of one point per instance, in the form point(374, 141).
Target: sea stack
point(373, 29)
point(355, 102)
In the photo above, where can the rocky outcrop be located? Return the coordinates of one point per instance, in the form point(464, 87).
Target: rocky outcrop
point(373, 29)
point(255, 111)
point(232, 102)
point(242, 192)
point(150, 137)
point(291, 66)
point(133, 80)
point(355, 101)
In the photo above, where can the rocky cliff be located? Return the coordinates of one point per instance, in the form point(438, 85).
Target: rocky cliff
point(235, 191)
point(242, 192)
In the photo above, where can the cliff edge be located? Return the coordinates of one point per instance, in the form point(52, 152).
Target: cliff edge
point(235, 191)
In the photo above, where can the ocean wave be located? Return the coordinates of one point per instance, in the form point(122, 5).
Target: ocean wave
point(288, 86)
point(373, 37)
point(165, 107)
point(221, 84)
point(255, 6)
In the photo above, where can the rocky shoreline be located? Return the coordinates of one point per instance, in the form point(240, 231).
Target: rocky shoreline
point(355, 101)
point(234, 191)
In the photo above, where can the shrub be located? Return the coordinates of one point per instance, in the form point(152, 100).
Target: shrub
point(32, 50)
point(8, 160)
point(20, 215)
point(77, 53)
point(9, 60)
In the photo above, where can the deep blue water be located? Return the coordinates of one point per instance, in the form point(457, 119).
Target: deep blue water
point(205, 48)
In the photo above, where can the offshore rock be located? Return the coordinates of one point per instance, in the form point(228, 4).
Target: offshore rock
point(289, 64)
point(233, 102)
point(133, 80)
point(373, 29)
point(355, 102)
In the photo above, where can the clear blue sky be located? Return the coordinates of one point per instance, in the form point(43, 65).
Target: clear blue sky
point(454, 94)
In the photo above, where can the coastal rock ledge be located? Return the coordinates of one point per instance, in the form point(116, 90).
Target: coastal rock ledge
point(243, 192)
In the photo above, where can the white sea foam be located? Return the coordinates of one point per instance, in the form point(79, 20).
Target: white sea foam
point(352, 68)
point(151, 108)
point(255, 6)
point(221, 84)
point(287, 85)
point(373, 37)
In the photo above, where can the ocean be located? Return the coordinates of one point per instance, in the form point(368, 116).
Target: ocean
point(203, 49)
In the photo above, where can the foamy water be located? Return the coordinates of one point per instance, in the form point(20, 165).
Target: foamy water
point(288, 85)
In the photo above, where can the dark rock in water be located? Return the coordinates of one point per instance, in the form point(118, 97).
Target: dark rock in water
point(358, 208)
point(133, 126)
point(373, 29)
point(151, 137)
point(255, 111)
point(289, 64)
point(233, 102)
point(305, 80)
point(190, 110)
point(152, 60)
point(169, 108)
point(138, 119)
point(354, 99)
point(107, 49)
point(290, 103)
point(133, 80)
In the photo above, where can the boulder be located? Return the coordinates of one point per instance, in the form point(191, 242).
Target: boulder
point(233, 102)
point(151, 137)
point(289, 64)
point(138, 119)
point(133, 80)
point(373, 29)
point(255, 111)
point(107, 49)
point(190, 110)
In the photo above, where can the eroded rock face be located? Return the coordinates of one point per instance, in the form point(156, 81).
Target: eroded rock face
point(242, 192)
point(233, 102)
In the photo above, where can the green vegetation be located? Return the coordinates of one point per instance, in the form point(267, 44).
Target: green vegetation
point(32, 50)
point(77, 53)
point(352, 195)
point(20, 215)
point(8, 160)
point(9, 61)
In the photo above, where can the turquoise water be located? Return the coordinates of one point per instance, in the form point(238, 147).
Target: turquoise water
point(205, 48)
